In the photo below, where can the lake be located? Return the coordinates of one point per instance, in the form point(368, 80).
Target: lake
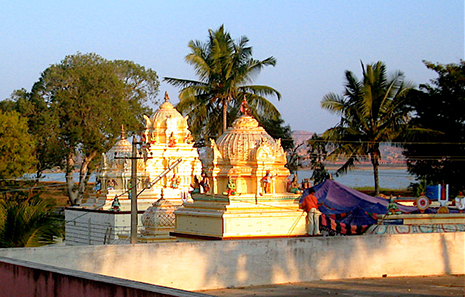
point(388, 178)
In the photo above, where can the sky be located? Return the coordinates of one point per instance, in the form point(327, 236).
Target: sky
point(314, 42)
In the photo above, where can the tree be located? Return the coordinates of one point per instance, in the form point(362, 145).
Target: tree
point(277, 129)
point(440, 107)
point(373, 111)
point(224, 68)
point(28, 223)
point(76, 110)
point(16, 146)
point(317, 152)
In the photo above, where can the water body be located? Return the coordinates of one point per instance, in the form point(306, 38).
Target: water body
point(388, 178)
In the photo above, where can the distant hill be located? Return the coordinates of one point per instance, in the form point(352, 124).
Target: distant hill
point(391, 156)
point(300, 136)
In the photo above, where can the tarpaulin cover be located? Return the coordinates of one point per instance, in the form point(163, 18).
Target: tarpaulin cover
point(347, 211)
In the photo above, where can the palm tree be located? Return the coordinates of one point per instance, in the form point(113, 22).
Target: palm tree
point(28, 223)
point(372, 111)
point(224, 67)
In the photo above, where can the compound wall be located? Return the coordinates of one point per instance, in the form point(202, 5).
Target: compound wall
point(220, 264)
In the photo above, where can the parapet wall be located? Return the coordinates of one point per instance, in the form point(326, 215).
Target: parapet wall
point(21, 278)
point(219, 264)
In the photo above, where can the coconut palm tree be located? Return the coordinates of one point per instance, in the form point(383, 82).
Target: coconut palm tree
point(224, 68)
point(373, 111)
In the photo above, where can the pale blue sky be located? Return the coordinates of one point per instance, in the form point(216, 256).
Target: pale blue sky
point(314, 42)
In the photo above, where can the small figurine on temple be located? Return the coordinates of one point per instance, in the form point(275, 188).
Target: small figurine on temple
point(175, 181)
point(231, 186)
point(306, 184)
point(460, 202)
point(245, 107)
point(195, 186)
point(171, 140)
point(295, 186)
point(115, 205)
point(392, 207)
point(188, 138)
point(111, 184)
point(266, 180)
point(98, 187)
point(130, 189)
point(288, 183)
point(204, 183)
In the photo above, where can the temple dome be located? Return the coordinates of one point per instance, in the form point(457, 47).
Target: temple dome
point(167, 115)
point(159, 215)
point(121, 148)
point(240, 141)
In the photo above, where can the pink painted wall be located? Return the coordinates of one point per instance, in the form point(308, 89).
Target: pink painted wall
point(19, 280)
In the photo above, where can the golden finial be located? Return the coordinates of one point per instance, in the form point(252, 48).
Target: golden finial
point(167, 98)
point(123, 134)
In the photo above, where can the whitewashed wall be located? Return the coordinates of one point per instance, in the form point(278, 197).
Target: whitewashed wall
point(219, 264)
point(88, 227)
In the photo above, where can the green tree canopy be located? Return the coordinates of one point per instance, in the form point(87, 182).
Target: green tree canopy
point(76, 110)
point(16, 146)
point(224, 67)
point(440, 106)
point(373, 111)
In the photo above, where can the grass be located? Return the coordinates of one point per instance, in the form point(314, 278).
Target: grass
point(386, 191)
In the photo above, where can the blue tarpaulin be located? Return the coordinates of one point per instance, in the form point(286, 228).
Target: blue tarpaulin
point(349, 207)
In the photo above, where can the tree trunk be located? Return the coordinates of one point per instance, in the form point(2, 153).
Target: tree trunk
point(225, 114)
point(375, 155)
point(84, 176)
point(76, 193)
point(72, 191)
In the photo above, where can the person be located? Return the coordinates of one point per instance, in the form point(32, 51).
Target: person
point(310, 206)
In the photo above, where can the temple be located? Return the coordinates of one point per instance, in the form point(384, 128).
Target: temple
point(247, 194)
point(168, 163)
point(168, 166)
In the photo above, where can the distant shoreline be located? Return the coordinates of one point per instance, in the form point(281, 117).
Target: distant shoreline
point(361, 167)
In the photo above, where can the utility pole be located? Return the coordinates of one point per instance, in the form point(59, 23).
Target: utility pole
point(133, 190)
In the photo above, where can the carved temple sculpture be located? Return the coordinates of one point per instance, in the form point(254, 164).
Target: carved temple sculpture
point(248, 195)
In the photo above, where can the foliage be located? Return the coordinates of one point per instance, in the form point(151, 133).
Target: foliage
point(16, 146)
point(278, 130)
point(318, 150)
point(224, 68)
point(440, 107)
point(293, 158)
point(373, 111)
point(76, 110)
point(28, 223)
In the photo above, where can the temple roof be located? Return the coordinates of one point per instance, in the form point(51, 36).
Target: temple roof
point(240, 141)
point(121, 147)
point(167, 114)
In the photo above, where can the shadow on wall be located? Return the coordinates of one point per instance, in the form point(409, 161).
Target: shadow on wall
point(220, 264)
